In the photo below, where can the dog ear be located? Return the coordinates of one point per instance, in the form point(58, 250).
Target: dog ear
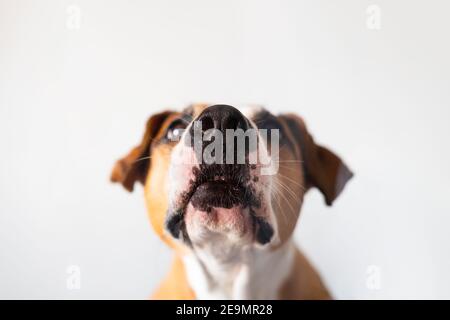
point(322, 168)
point(134, 166)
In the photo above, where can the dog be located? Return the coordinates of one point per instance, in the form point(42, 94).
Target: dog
point(231, 224)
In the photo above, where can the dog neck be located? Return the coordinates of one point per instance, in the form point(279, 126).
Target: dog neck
point(220, 270)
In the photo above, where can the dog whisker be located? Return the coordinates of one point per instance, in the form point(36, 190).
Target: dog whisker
point(278, 202)
point(281, 194)
point(291, 180)
point(289, 191)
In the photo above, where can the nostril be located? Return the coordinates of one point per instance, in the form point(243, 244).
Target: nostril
point(231, 123)
point(207, 123)
point(243, 124)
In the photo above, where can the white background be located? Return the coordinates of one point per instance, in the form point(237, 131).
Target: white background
point(73, 100)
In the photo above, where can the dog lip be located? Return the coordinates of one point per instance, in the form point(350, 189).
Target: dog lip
point(218, 193)
point(209, 193)
point(217, 184)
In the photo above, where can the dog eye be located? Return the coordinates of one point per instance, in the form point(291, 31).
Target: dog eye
point(175, 130)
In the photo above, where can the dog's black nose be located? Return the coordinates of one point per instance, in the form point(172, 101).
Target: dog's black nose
point(237, 139)
point(222, 117)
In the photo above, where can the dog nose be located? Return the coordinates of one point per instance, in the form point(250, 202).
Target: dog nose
point(222, 117)
point(235, 147)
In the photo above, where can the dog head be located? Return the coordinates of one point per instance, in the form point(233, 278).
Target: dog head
point(236, 176)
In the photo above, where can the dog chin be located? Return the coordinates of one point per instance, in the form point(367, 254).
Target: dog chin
point(232, 224)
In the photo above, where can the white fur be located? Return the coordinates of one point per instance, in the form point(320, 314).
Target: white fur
point(255, 273)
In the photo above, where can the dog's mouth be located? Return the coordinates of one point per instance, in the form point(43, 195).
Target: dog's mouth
point(219, 193)
point(220, 198)
point(220, 185)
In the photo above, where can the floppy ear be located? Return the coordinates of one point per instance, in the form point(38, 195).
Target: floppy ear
point(322, 168)
point(134, 166)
